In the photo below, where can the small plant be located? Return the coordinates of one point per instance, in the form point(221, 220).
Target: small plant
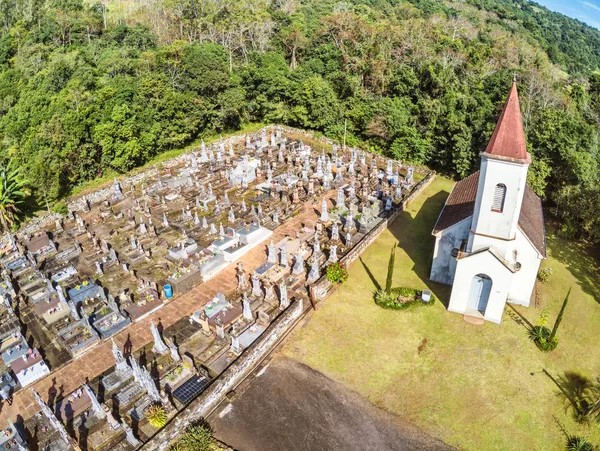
point(196, 438)
point(575, 443)
point(337, 273)
point(156, 415)
point(544, 274)
point(544, 338)
point(402, 298)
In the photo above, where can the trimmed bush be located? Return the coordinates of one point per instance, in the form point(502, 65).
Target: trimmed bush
point(337, 273)
point(544, 274)
point(401, 298)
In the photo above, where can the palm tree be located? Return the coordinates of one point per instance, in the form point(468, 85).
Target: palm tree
point(11, 195)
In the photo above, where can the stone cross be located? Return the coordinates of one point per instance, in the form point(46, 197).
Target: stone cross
point(256, 291)
point(129, 435)
point(96, 407)
point(284, 301)
point(283, 256)
point(298, 268)
point(247, 310)
point(314, 273)
point(324, 213)
point(235, 344)
point(271, 256)
point(316, 247)
point(241, 276)
point(159, 345)
point(333, 254)
point(341, 199)
point(174, 351)
point(220, 330)
point(231, 216)
point(213, 229)
point(335, 234)
point(120, 362)
point(99, 270)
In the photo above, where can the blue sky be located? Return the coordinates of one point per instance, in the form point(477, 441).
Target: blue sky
point(587, 11)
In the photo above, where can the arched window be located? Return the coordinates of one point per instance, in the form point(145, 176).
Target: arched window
point(499, 195)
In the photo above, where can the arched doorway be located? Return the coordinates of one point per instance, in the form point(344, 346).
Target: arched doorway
point(479, 295)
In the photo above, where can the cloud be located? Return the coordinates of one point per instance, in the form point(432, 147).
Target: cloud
point(591, 5)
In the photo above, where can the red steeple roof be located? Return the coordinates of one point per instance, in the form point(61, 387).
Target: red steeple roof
point(508, 139)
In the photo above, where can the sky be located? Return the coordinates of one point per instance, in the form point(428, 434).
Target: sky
point(587, 11)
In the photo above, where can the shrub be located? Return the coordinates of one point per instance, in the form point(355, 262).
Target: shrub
point(401, 298)
point(544, 274)
point(156, 416)
point(337, 273)
point(544, 338)
point(196, 438)
point(540, 335)
point(575, 443)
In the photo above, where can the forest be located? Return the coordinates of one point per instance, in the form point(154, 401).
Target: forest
point(94, 87)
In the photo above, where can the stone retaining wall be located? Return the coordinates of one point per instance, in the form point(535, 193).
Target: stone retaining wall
point(321, 288)
point(233, 375)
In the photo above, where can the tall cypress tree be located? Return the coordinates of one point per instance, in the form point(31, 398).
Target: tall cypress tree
point(390, 272)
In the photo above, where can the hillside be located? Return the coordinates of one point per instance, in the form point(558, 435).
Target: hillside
point(90, 88)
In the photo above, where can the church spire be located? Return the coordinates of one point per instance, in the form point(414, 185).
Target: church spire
point(508, 139)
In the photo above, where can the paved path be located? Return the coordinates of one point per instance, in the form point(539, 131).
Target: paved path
point(100, 358)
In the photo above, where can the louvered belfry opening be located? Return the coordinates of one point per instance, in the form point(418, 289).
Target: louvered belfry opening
point(499, 196)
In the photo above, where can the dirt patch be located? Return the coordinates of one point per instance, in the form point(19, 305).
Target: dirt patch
point(292, 407)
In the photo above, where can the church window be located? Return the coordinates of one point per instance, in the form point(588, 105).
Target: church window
point(499, 195)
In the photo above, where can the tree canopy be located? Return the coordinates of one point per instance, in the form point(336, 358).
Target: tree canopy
point(88, 87)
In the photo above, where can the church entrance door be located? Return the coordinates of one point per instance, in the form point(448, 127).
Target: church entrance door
point(481, 287)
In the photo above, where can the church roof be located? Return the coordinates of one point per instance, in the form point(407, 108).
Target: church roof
point(508, 139)
point(461, 204)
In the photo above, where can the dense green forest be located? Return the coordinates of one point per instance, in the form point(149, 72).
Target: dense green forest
point(87, 88)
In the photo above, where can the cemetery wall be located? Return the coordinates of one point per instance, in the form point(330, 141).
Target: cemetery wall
point(322, 287)
point(231, 377)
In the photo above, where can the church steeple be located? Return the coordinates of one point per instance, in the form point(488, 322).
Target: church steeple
point(508, 139)
point(502, 180)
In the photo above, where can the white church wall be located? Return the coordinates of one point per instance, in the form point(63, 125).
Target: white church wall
point(443, 265)
point(482, 263)
point(524, 280)
point(491, 223)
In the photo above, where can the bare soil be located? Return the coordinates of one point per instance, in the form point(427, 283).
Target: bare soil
point(290, 406)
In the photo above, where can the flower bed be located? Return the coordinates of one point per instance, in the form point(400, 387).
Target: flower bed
point(402, 298)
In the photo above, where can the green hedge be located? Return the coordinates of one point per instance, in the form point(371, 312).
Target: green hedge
point(389, 300)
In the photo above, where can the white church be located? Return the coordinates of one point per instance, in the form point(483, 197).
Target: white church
point(490, 235)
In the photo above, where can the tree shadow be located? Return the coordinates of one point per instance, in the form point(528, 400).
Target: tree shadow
point(518, 317)
point(414, 237)
point(578, 392)
point(370, 274)
point(580, 259)
point(127, 347)
point(84, 432)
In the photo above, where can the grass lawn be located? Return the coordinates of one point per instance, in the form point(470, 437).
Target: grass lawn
point(471, 386)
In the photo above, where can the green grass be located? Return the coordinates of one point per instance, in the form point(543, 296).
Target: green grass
point(470, 386)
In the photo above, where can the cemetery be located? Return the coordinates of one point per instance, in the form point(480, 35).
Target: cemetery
point(125, 252)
